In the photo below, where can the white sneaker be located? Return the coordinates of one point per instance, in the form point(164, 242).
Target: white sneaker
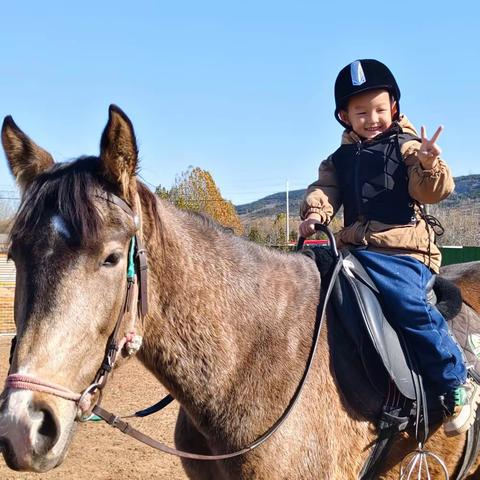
point(465, 401)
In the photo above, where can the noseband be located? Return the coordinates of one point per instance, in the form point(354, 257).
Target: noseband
point(136, 287)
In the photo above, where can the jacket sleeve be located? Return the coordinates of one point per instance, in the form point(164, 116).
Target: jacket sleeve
point(322, 199)
point(426, 186)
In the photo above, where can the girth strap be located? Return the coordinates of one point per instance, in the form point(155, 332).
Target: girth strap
point(390, 424)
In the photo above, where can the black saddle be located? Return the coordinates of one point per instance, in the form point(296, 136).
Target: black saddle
point(381, 350)
point(369, 356)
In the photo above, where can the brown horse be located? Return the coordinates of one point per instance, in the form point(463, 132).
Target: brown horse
point(228, 333)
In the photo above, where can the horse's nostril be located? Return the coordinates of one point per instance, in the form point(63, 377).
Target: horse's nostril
point(47, 432)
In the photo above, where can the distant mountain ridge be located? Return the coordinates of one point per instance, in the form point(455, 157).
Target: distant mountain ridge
point(467, 188)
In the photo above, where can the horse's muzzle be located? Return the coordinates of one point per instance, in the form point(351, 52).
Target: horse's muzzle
point(31, 431)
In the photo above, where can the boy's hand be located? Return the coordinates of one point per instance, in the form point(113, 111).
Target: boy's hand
point(429, 150)
point(307, 227)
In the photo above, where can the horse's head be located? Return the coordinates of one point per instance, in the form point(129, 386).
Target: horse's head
point(70, 246)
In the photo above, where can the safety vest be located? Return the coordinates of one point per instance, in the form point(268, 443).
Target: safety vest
point(373, 179)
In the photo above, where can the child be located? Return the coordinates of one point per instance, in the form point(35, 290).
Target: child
point(382, 173)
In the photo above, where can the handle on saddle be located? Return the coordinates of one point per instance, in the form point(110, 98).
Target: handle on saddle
point(331, 239)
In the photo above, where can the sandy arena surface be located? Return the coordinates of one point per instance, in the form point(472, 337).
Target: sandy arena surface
point(99, 451)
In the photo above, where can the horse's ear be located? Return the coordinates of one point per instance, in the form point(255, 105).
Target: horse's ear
point(25, 158)
point(118, 150)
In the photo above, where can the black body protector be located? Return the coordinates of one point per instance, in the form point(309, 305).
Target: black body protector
point(373, 179)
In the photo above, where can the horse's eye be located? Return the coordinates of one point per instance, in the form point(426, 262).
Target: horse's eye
point(111, 260)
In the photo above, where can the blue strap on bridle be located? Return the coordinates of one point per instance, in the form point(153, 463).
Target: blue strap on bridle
point(131, 261)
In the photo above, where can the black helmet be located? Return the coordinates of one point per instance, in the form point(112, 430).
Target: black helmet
point(361, 76)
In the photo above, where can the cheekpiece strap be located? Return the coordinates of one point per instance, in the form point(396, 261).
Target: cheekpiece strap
point(142, 271)
point(137, 254)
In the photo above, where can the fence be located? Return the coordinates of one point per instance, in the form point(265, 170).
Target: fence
point(459, 254)
point(7, 289)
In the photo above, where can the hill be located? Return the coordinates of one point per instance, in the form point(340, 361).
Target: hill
point(467, 189)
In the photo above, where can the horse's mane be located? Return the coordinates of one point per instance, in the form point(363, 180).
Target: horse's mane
point(65, 189)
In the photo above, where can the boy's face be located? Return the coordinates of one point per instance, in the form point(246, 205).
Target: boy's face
point(369, 113)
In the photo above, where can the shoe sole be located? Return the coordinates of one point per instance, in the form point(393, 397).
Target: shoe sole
point(468, 422)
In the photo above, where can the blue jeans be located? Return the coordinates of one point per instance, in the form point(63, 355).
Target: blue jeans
point(401, 281)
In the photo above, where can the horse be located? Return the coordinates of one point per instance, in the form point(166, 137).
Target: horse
point(228, 332)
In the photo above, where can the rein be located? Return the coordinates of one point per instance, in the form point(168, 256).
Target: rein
point(138, 270)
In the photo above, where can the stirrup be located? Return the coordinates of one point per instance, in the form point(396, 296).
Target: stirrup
point(415, 464)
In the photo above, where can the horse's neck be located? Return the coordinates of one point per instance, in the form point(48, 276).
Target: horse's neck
point(221, 320)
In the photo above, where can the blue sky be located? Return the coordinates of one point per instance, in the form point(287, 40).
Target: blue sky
point(242, 89)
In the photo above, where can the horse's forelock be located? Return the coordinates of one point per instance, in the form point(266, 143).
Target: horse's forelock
point(67, 189)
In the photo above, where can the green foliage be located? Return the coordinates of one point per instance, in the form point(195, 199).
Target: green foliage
point(279, 229)
point(254, 235)
point(162, 192)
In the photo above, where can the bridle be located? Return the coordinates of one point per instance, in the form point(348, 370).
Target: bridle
point(136, 287)
point(137, 280)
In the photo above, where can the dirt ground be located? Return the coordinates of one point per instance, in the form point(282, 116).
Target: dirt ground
point(99, 451)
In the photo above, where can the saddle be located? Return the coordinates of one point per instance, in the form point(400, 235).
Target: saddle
point(373, 367)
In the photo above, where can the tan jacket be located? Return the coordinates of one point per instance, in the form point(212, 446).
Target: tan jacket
point(323, 199)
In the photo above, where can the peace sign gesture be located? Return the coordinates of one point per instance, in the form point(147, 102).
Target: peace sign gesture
point(429, 150)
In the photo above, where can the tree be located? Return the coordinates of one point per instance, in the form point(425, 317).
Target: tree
point(162, 192)
point(254, 235)
point(196, 191)
point(279, 229)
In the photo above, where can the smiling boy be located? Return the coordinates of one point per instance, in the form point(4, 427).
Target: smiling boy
point(383, 174)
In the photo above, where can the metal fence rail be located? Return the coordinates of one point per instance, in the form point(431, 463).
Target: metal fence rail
point(7, 289)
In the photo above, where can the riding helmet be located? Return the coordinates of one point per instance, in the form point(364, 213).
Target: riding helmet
point(361, 76)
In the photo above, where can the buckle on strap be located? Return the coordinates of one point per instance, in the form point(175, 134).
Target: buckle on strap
point(111, 419)
point(117, 422)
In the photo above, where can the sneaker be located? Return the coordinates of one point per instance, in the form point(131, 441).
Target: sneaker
point(465, 400)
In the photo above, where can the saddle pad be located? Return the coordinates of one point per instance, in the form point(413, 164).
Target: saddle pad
point(465, 327)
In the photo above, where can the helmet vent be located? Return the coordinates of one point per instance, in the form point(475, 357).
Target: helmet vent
point(357, 74)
